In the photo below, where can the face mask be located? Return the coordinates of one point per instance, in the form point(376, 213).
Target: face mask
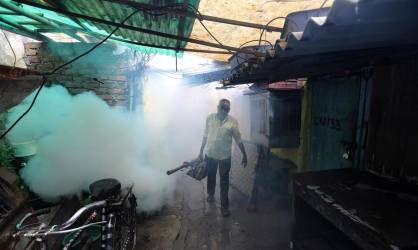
point(223, 110)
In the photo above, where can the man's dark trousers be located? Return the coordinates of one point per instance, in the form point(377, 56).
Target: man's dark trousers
point(224, 167)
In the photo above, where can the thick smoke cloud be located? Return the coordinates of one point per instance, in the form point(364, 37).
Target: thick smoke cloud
point(81, 139)
point(175, 115)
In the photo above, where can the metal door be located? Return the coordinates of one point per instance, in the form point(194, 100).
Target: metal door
point(334, 111)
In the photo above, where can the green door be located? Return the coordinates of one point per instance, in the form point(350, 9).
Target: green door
point(334, 112)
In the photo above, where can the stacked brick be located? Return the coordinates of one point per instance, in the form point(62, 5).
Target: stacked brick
point(110, 84)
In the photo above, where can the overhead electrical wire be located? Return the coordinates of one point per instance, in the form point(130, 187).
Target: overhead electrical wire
point(195, 11)
point(264, 29)
point(200, 19)
point(246, 59)
point(272, 20)
point(44, 80)
point(182, 5)
point(323, 4)
point(100, 43)
point(247, 42)
point(145, 10)
point(171, 48)
point(260, 38)
point(128, 27)
point(210, 33)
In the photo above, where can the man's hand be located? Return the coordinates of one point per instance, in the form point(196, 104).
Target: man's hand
point(202, 148)
point(244, 161)
point(244, 155)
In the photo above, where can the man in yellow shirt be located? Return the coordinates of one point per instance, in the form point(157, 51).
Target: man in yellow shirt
point(216, 146)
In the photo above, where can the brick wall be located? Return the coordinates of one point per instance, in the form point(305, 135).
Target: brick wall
point(14, 90)
point(109, 69)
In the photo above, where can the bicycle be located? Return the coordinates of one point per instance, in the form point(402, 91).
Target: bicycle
point(112, 209)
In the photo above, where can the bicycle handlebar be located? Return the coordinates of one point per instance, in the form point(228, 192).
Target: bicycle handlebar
point(51, 230)
point(68, 223)
point(33, 214)
point(42, 230)
point(41, 211)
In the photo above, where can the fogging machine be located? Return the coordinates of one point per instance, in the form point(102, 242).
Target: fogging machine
point(197, 169)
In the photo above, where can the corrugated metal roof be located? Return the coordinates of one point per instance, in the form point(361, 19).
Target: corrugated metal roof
point(254, 11)
point(349, 35)
point(35, 21)
point(177, 21)
point(167, 23)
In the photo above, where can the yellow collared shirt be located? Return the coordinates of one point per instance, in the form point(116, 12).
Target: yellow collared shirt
point(219, 136)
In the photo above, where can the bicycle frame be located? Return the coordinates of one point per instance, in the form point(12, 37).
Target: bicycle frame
point(40, 237)
point(107, 222)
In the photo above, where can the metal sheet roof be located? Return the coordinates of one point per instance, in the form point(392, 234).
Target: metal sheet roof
point(349, 35)
point(255, 11)
point(36, 18)
point(160, 23)
point(167, 23)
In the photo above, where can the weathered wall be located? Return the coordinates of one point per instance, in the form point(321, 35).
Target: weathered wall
point(298, 155)
point(108, 68)
point(329, 115)
point(243, 178)
point(392, 137)
point(14, 90)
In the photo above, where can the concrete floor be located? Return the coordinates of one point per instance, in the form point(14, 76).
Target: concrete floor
point(189, 222)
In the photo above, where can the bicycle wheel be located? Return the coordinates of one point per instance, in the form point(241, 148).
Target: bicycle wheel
point(125, 227)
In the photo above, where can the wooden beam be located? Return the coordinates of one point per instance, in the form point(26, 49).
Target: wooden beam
point(124, 26)
point(32, 16)
point(58, 4)
point(35, 23)
point(8, 13)
point(174, 48)
point(54, 30)
point(179, 12)
point(38, 19)
point(22, 30)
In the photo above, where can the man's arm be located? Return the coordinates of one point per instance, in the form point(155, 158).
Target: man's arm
point(205, 138)
point(244, 154)
point(237, 137)
point(202, 147)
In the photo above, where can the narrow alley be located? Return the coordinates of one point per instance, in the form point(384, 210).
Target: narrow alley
point(117, 117)
point(189, 222)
